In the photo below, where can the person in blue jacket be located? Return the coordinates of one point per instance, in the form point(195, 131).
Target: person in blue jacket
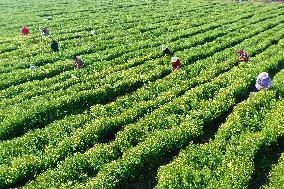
point(263, 81)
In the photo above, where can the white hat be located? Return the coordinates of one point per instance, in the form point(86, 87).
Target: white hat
point(164, 47)
point(32, 66)
point(263, 75)
point(174, 59)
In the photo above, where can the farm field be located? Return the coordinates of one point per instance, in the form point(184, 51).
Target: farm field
point(127, 120)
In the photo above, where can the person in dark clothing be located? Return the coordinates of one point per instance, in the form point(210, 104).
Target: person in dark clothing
point(78, 63)
point(54, 45)
point(166, 50)
point(77, 35)
point(243, 56)
point(44, 31)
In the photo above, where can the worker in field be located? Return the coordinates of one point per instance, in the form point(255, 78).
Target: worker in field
point(175, 63)
point(44, 31)
point(243, 56)
point(32, 66)
point(24, 30)
point(166, 50)
point(263, 81)
point(78, 63)
point(54, 45)
point(77, 35)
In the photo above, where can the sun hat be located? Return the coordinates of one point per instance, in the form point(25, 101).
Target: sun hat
point(164, 47)
point(174, 59)
point(263, 75)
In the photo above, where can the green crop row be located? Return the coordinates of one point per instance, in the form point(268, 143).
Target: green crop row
point(157, 145)
point(31, 84)
point(125, 140)
point(178, 80)
point(275, 179)
point(101, 36)
point(100, 56)
point(242, 154)
point(7, 126)
point(185, 84)
point(276, 176)
point(112, 14)
point(114, 53)
point(38, 90)
point(127, 97)
point(173, 80)
point(231, 153)
point(88, 86)
point(197, 166)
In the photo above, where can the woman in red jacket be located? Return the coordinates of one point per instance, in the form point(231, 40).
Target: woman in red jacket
point(175, 63)
point(24, 30)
